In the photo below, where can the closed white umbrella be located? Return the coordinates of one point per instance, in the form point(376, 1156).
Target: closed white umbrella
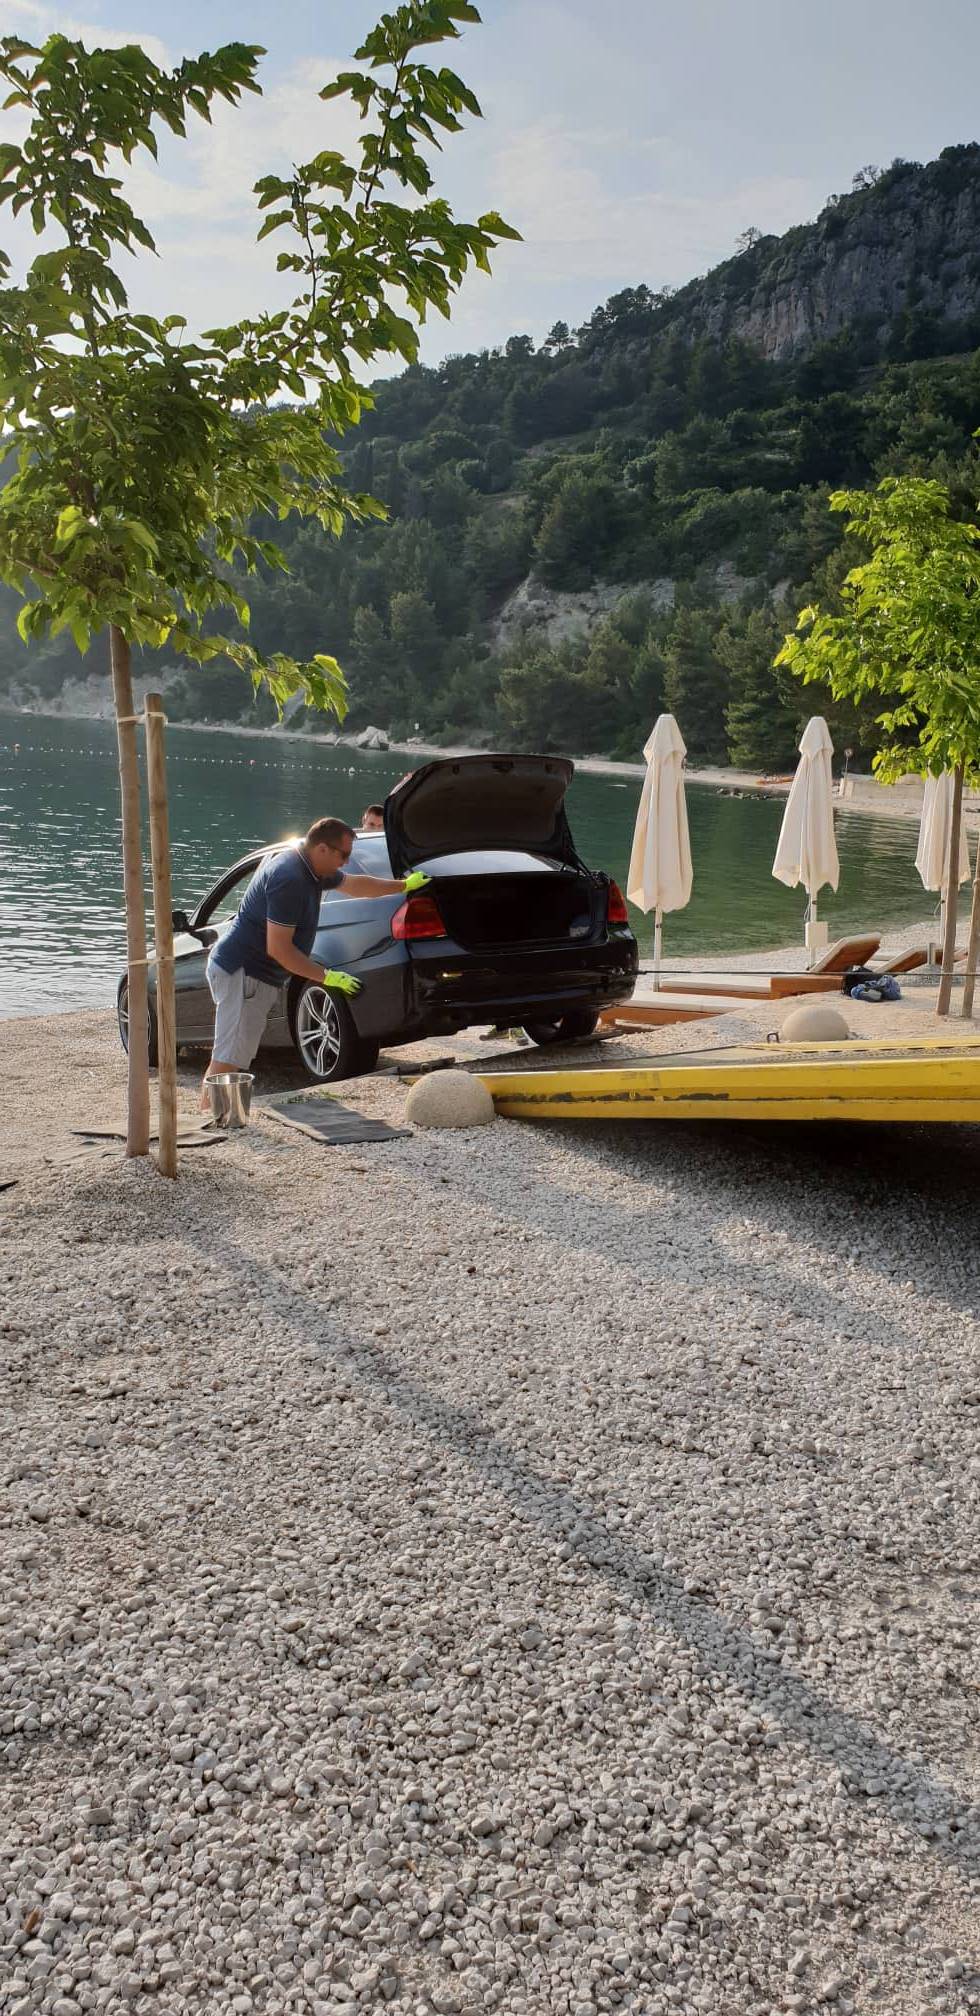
point(660, 874)
point(806, 851)
point(932, 853)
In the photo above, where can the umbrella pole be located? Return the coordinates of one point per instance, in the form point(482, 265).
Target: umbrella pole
point(811, 918)
point(658, 946)
point(952, 893)
point(973, 947)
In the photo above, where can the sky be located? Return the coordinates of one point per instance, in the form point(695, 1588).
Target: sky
point(628, 140)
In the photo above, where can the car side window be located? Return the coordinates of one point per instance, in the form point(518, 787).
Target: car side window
point(221, 905)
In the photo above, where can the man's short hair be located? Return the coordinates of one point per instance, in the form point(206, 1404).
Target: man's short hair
point(372, 812)
point(329, 833)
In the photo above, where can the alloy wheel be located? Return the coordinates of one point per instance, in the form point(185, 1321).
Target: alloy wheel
point(318, 1031)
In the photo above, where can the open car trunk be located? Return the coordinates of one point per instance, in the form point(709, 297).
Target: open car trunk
point(553, 908)
point(480, 804)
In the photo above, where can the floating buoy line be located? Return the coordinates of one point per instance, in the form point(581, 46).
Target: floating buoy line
point(59, 757)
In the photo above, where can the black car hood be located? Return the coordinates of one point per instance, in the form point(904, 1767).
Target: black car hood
point(473, 804)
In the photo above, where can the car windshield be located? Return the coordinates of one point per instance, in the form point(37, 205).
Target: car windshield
point(369, 855)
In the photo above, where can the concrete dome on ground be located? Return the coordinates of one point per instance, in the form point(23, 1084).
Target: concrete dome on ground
point(449, 1099)
point(814, 1025)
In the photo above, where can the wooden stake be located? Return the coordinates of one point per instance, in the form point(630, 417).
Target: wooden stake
point(952, 894)
point(163, 932)
point(138, 1108)
point(974, 945)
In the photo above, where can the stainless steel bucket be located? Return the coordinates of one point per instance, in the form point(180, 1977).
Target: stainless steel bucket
point(230, 1093)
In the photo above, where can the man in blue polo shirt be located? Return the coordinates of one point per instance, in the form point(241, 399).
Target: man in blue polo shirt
point(273, 934)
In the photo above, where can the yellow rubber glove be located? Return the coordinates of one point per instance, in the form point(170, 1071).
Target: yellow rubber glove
point(342, 983)
point(416, 881)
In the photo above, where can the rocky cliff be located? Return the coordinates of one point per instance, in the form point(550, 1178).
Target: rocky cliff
point(907, 245)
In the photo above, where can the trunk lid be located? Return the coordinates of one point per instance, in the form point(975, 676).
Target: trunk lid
point(481, 804)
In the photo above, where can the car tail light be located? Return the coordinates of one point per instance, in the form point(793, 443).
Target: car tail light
point(616, 911)
point(418, 917)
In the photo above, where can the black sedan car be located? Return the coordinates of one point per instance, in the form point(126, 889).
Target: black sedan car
point(514, 929)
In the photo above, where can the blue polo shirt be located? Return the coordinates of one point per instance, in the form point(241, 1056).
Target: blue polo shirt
point(283, 890)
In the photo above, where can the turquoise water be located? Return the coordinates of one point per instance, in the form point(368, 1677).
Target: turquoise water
point(62, 938)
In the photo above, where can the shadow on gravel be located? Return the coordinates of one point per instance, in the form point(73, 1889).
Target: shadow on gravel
point(938, 1164)
point(915, 1798)
point(887, 1182)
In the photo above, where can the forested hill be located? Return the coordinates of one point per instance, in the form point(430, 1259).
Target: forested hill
point(630, 515)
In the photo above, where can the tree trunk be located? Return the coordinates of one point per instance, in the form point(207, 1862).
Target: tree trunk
point(952, 894)
point(138, 1116)
point(163, 933)
point(974, 946)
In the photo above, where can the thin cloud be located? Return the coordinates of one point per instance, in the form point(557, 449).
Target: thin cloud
point(579, 226)
point(19, 16)
point(33, 18)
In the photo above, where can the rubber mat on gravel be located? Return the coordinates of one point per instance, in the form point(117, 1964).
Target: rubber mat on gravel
point(327, 1121)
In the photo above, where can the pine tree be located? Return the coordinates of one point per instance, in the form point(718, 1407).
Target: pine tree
point(697, 685)
point(604, 687)
point(761, 720)
point(415, 634)
point(647, 685)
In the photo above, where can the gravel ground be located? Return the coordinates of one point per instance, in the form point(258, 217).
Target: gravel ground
point(532, 1569)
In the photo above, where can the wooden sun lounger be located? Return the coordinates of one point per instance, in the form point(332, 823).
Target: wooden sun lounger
point(657, 1011)
point(905, 962)
point(823, 978)
point(747, 986)
point(894, 963)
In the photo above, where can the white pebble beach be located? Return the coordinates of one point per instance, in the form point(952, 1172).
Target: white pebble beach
point(530, 1569)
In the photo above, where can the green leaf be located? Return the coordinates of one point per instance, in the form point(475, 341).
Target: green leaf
point(70, 522)
point(494, 224)
point(342, 84)
point(141, 535)
point(273, 222)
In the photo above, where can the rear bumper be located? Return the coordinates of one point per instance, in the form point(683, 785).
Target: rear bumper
point(450, 990)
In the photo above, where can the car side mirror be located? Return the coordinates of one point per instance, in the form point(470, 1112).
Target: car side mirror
point(180, 920)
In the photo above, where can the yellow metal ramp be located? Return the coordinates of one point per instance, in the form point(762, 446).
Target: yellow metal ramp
point(931, 1078)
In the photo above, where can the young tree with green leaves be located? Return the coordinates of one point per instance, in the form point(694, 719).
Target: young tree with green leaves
point(909, 632)
point(141, 456)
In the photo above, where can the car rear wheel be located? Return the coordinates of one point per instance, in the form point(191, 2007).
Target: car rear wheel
point(122, 1013)
point(327, 1042)
point(578, 1022)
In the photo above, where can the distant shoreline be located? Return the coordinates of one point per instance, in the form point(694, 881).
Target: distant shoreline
point(864, 796)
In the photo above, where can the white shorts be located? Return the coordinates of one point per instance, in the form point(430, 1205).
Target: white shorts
point(241, 1010)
